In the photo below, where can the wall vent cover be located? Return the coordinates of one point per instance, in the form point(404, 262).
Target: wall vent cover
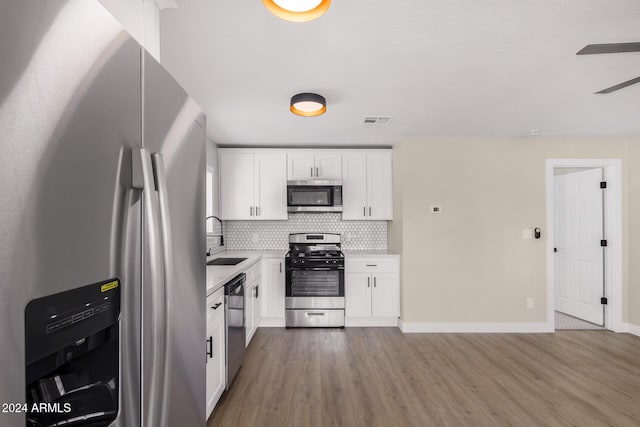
point(377, 121)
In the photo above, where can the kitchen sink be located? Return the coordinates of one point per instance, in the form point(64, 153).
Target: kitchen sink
point(225, 261)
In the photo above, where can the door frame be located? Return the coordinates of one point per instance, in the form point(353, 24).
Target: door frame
point(612, 169)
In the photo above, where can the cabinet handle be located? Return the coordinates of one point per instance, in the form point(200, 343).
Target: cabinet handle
point(311, 168)
point(369, 210)
point(258, 211)
point(250, 210)
point(257, 286)
point(372, 265)
point(368, 282)
point(215, 307)
point(210, 350)
point(280, 264)
point(364, 211)
point(374, 281)
point(317, 174)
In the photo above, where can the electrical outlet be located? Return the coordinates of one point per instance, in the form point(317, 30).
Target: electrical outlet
point(530, 303)
point(436, 209)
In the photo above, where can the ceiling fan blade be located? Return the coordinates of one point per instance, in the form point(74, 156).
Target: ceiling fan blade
point(620, 86)
point(592, 49)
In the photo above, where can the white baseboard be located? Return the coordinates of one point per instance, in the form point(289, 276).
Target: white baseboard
point(350, 322)
point(272, 322)
point(633, 329)
point(417, 327)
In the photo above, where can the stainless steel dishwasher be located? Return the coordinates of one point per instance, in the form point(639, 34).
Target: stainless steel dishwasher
point(235, 321)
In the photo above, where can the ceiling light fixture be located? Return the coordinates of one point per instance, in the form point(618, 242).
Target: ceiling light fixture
point(297, 10)
point(308, 104)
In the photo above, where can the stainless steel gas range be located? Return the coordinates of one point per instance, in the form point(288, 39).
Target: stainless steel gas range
point(314, 281)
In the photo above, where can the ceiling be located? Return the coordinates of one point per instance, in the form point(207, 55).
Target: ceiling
point(459, 68)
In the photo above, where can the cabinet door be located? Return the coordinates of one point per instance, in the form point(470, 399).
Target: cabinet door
point(357, 294)
point(257, 304)
point(255, 308)
point(384, 295)
point(215, 368)
point(379, 186)
point(273, 295)
point(236, 185)
point(271, 186)
point(300, 166)
point(248, 314)
point(328, 166)
point(354, 186)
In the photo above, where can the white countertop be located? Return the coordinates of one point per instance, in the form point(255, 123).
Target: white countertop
point(218, 275)
point(369, 254)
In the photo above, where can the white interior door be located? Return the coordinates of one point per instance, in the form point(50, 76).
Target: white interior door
point(579, 256)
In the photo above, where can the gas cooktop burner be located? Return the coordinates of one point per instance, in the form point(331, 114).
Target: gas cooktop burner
point(315, 247)
point(309, 254)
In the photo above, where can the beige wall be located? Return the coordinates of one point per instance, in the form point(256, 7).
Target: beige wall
point(470, 262)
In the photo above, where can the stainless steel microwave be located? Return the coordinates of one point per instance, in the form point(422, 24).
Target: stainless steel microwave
point(314, 196)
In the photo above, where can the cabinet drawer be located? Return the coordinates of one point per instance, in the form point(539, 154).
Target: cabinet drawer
point(215, 304)
point(371, 265)
point(253, 272)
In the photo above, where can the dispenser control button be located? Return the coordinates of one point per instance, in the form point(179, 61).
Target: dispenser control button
point(53, 327)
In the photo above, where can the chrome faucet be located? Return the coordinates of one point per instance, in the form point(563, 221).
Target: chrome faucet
point(221, 235)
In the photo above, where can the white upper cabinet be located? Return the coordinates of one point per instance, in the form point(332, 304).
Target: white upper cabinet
point(271, 186)
point(304, 166)
point(253, 185)
point(367, 189)
point(236, 184)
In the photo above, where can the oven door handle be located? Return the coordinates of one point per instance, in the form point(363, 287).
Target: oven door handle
point(317, 268)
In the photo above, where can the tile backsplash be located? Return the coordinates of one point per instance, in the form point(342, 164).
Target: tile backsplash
point(274, 235)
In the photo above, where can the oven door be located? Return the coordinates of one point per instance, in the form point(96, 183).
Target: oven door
point(317, 282)
point(314, 297)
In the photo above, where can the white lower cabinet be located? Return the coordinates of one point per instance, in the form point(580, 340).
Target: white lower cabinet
point(372, 291)
point(273, 292)
point(215, 349)
point(252, 300)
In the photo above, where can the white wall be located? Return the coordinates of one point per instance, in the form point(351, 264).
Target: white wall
point(470, 264)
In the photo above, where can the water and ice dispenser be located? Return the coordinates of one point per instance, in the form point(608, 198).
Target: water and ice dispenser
point(72, 356)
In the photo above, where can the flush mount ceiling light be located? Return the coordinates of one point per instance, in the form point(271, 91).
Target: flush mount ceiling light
point(297, 10)
point(308, 104)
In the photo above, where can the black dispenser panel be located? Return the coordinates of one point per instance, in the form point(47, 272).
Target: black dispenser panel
point(72, 344)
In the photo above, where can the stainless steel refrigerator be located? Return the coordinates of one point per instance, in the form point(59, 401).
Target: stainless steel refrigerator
point(102, 272)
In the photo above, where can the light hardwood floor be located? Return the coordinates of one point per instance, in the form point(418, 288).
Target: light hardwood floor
point(381, 377)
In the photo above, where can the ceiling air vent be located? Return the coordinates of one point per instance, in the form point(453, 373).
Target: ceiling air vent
point(377, 121)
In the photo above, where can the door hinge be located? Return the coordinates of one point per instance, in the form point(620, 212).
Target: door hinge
point(603, 184)
point(603, 301)
point(603, 243)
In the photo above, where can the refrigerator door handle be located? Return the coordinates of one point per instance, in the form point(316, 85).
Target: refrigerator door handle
point(154, 412)
point(167, 263)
